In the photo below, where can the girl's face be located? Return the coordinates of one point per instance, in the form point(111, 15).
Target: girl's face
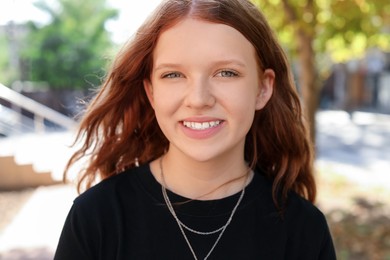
point(205, 88)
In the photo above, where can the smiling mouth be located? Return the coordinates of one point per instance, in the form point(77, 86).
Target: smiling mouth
point(201, 125)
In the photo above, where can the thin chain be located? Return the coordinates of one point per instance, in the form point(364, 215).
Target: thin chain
point(182, 225)
point(170, 207)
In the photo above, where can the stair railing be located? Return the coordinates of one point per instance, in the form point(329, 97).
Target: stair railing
point(40, 112)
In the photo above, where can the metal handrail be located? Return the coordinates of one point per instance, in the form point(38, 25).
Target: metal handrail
point(40, 111)
point(12, 122)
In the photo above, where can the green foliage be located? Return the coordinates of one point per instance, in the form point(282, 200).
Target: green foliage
point(69, 52)
point(342, 28)
point(354, 26)
point(6, 73)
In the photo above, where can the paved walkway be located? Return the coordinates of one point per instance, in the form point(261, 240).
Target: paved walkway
point(356, 146)
point(34, 232)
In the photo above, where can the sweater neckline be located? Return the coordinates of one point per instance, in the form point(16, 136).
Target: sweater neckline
point(201, 208)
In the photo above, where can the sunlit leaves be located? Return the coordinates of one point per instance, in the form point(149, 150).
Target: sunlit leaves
point(274, 2)
point(307, 17)
point(342, 28)
point(381, 40)
point(342, 50)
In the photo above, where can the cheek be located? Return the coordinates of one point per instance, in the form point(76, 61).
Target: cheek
point(240, 101)
point(166, 103)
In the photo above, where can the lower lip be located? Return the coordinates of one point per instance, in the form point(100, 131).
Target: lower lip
point(201, 134)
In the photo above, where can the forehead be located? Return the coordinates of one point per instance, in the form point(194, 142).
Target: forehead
point(193, 37)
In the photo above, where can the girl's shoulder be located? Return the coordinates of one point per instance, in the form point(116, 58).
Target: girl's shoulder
point(123, 184)
point(302, 216)
point(306, 227)
point(295, 208)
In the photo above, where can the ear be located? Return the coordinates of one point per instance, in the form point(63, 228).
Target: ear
point(149, 91)
point(266, 88)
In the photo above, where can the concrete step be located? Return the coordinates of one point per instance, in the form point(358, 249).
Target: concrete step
point(15, 176)
point(32, 160)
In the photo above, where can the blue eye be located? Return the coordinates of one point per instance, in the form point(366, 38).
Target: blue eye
point(172, 75)
point(227, 73)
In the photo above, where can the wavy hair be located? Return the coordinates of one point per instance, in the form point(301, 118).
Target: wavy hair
point(119, 128)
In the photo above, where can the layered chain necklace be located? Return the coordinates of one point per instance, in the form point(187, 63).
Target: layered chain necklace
point(184, 227)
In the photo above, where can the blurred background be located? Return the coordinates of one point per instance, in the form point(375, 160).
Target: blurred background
point(55, 53)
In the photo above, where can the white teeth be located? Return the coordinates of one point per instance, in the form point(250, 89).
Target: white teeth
point(201, 125)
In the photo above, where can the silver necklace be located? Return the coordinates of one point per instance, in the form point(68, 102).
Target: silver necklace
point(182, 226)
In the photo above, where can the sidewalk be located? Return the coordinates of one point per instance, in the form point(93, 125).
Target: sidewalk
point(355, 145)
point(34, 232)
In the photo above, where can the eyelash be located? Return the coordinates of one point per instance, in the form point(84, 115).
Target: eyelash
point(171, 75)
point(231, 73)
point(222, 73)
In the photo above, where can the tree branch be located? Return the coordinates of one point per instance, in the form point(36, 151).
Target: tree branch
point(291, 14)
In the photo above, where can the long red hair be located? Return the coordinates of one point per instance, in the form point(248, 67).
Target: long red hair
point(119, 128)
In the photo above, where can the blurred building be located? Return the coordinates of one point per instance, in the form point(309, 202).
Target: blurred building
point(359, 84)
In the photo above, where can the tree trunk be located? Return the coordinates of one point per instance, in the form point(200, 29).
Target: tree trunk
point(308, 80)
point(306, 55)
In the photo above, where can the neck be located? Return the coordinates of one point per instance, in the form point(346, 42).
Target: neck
point(201, 180)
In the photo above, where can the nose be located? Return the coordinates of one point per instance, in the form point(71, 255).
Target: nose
point(199, 94)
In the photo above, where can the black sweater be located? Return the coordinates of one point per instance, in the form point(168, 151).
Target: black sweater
point(125, 217)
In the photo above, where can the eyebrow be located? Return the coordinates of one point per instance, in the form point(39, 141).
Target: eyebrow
point(167, 66)
point(217, 63)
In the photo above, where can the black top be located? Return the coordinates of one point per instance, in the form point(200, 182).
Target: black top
point(125, 217)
